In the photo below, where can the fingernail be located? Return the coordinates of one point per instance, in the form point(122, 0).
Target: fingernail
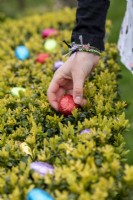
point(77, 100)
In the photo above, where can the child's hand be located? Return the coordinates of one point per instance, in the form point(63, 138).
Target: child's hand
point(70, 78)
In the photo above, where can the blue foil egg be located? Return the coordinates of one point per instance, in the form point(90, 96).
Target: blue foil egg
point(22, 53)
point(38, 194)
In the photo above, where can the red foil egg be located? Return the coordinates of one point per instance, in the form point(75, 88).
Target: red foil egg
point(67, 105)
point(49, 32)
point(42, 57)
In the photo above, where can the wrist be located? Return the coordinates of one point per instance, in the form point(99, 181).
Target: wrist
point(90, 58)
point(74, 47)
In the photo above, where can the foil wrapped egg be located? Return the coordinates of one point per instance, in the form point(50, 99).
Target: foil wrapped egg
point(42, 57)
point(38, 194)
point(49, 32)
point(58, 64)
point(42, 167)
point(22, 52)
point(15, 90)
point(85, 131)
point(50, 45)
point(67, 105)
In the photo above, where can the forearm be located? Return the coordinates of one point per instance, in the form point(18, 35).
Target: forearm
point(90, 22)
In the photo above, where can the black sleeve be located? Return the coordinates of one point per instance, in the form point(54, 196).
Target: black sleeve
point(90, 22)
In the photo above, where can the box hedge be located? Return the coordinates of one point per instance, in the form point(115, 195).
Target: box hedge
point(88, 166)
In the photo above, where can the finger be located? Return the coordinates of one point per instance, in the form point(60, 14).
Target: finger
point(70, 92)
point(78, 83)
point(60, 93)
point(51, 93)
point(84, 101)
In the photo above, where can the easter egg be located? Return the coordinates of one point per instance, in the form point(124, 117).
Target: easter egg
point(58, 64)
point(85, 131)
point(15, 90)
point(42, 57)
point(42, 167)
point(50, 45)
point(25, 148)
point(49, 32)
point(22, 53)
point(38, 194)
point(67, 105)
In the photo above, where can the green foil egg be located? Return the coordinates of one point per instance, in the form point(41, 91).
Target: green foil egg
point(50, 45)
point(15, 90)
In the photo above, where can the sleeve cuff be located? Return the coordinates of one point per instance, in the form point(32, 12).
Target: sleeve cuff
point(92, 40)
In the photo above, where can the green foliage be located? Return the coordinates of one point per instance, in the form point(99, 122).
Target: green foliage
point(88, 166)
point(18, 8)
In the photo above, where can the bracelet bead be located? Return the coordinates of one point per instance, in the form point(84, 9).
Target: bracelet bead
point(82, 48)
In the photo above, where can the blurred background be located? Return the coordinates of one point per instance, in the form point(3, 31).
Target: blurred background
point(20, 8)
point(17, 8)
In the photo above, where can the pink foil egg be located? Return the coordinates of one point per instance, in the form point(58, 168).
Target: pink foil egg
point(49, 32)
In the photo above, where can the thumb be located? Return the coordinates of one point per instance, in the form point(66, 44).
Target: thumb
point(78, 83)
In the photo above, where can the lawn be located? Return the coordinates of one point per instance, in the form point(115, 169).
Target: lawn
point(116, 13)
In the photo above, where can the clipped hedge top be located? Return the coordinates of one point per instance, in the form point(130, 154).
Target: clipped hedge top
point(86, 166)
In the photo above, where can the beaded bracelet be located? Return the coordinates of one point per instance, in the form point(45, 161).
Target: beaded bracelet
point(81, 48)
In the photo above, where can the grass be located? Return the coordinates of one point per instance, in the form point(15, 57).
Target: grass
point(116, 13)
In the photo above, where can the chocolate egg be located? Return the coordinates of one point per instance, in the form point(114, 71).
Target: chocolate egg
point(25, 148)
point(58, 64)
point(22, 53)
point(49, 32)
point(67, 105)
point(50, 45)
point(85, 131)
point(38, 194)
point(15, 90)
point(42, 167)
point(42, 57)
